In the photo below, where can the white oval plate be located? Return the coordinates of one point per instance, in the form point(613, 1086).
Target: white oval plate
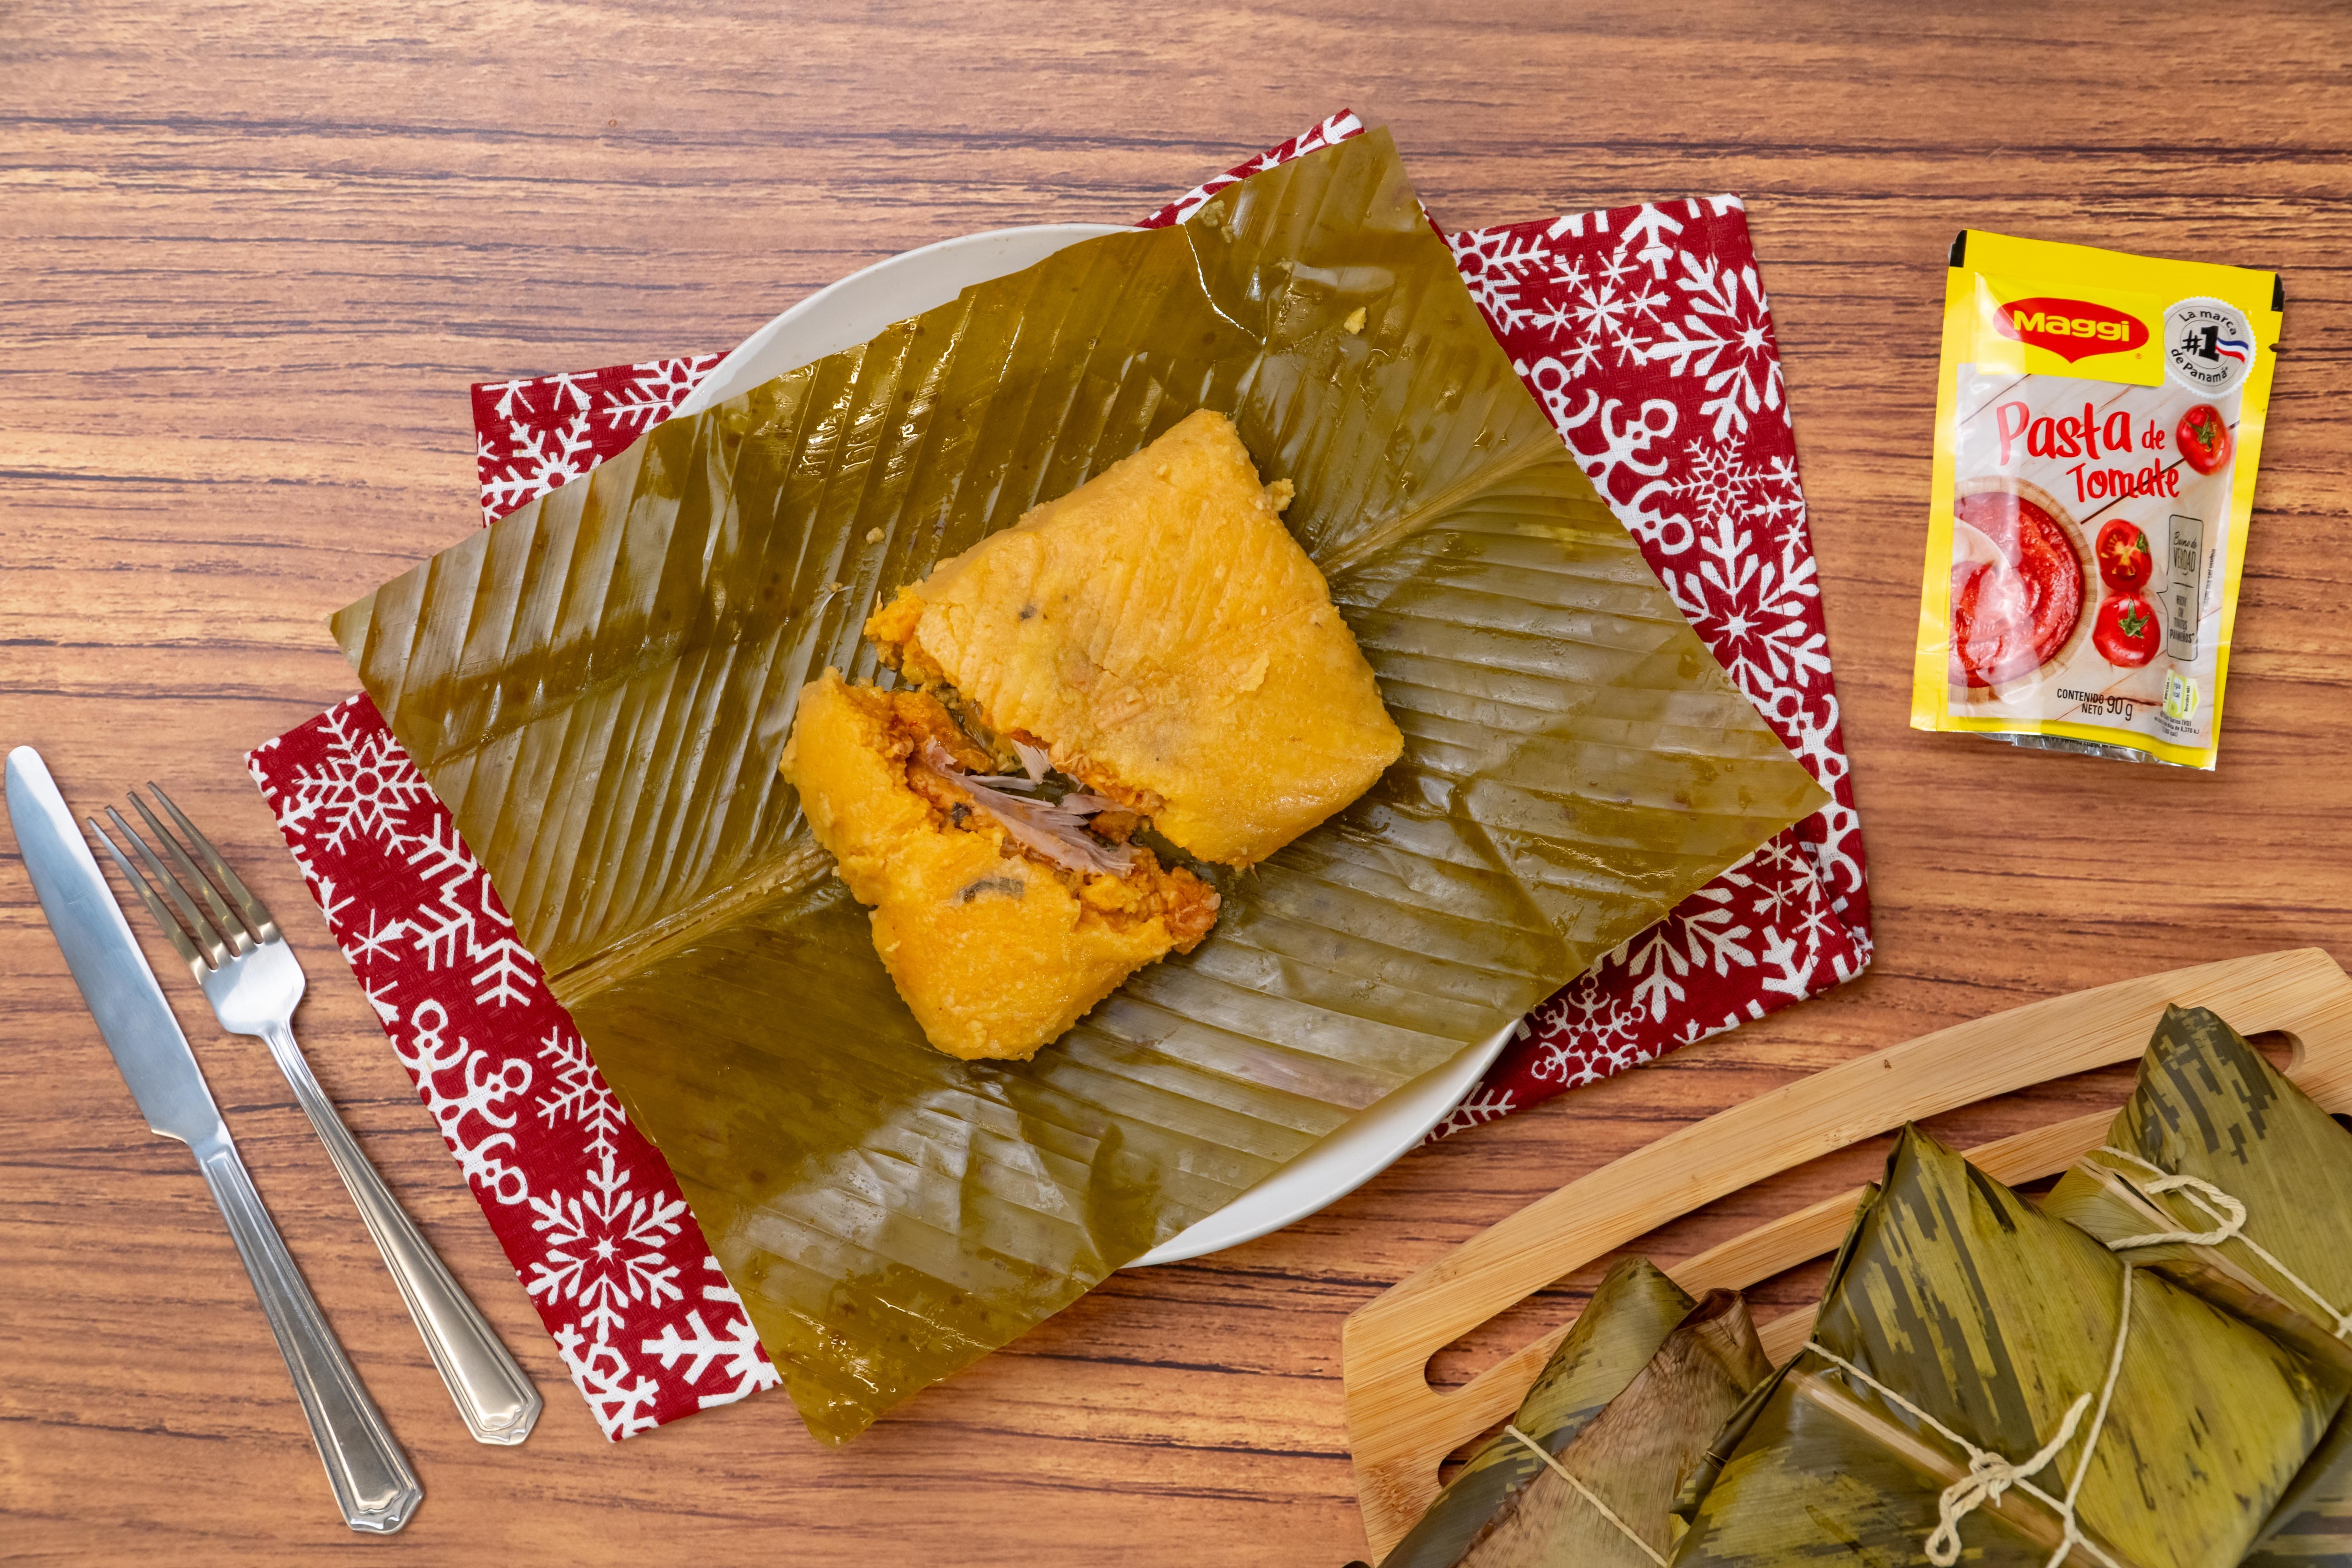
point(852, 311)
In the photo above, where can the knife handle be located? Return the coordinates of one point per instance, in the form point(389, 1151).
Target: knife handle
point(374, 1485)
point(492, 1392)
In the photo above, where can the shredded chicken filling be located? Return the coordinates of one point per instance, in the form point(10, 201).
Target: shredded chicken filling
point(1054, 829)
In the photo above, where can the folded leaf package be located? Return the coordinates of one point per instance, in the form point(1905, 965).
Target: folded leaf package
point(1607, 1499)
point(2223, 1176)
point(1988, 1383)
point(600, 687)
point(1633, 1311)
point(1588, 1469)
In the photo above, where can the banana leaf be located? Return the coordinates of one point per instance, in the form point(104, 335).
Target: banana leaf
point(1633, 1455)
point(1633, 1311)
point(2207, 1106)
point(1995, 1321)
point(600, 687)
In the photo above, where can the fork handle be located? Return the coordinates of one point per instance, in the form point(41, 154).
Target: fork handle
point(492, 1392)
point(374, 1485)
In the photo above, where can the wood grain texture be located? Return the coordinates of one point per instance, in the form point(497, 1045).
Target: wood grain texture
point(252, 255)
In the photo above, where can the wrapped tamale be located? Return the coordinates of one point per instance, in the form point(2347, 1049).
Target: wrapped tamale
point(1633, 1311)
point(1607, 1499)
point(1988, 1383)
point(600, 687)
point(2222, 1175)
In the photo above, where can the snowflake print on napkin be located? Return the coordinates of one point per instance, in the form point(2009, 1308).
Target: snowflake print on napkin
point(1645, 334)
point(529, 437)
point(586, 1209)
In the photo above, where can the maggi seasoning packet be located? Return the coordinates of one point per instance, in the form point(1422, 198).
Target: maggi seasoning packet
point(2098, 416)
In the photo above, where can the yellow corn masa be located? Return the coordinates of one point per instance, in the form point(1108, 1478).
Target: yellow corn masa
point(995, 951)
point(1159, 632)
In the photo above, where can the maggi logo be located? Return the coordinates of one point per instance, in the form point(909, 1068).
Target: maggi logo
point(2072, 328)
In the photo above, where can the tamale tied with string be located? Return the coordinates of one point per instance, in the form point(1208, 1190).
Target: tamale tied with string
point(600, 687)
point(1607, 1499)
point(1988, 1384)
point(1633, 1308)
point(2223, 1176)
point(1587, 1470)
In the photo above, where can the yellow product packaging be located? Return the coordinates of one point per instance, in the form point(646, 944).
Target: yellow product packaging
point(2098, 421)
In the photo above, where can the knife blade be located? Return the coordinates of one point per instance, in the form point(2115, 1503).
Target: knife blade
point(137, 1023)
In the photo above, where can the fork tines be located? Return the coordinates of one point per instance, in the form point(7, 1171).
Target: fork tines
point(207, 944)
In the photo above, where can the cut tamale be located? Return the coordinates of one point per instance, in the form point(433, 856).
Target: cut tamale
point(1986, 1381)
point(1633, 1311)
point(996, 946)
point(600, 687)
point(1607, 1499)
point(2222, 1175)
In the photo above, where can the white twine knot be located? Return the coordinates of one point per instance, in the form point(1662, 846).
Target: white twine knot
point(1989, 1477)
point(2213, 1201)
point(2217, 1204)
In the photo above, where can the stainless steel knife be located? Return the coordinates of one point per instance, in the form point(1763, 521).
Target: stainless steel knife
point(372, 1482)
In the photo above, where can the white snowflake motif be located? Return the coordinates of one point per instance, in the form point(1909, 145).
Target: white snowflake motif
point(551, 447)
point(364, 790)
point(1749, 599)
point(465, 923)
point(1723, 334)
point(512, 396)
point(652, 392)
point(580, 1094)
point(1499, 264)
point(537, 461)
point(736, 1352)
point(606, 1250)
point(604, 1246)
point(1480, 1106)
point(1792, 973)
point(372, 945)
point(1686, 940)
point(621, 1398)
point(1596, 319)
point(1654, 228)
point(1588, 1032)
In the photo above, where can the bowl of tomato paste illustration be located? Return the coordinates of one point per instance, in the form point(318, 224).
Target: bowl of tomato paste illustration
point(2020, 575)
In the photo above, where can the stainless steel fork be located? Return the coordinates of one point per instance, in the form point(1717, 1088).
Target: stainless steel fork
point(253, 981)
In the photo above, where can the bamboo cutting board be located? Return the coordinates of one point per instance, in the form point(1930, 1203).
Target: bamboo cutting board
point(1400, 1429)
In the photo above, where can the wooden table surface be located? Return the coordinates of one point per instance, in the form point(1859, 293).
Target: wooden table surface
point(255, 253)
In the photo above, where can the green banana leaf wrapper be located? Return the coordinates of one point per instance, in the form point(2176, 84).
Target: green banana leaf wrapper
point(1631, 1311)
point(600, 685)
point(2208, 1105)
point(1632, 1457)
point(1994, 1319)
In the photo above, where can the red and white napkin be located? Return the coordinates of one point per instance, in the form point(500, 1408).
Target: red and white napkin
point(1642, 330)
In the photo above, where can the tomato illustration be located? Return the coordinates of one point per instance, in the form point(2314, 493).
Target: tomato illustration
point(2203, 438)
point(2126, 633)
point(2124, 561)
